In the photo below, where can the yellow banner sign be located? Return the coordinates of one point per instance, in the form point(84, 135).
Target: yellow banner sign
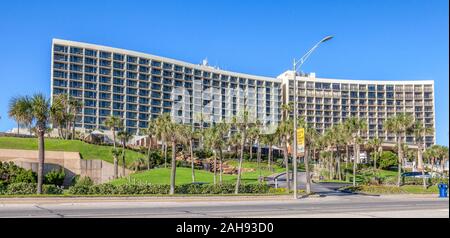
point(301, 136)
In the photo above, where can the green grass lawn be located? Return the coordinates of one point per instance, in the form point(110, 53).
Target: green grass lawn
point(183, 176)
point(87, 151)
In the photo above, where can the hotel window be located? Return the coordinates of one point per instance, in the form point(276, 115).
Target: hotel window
point(76, 50)
point(118, 81)
point(90, 78)
point(90, 52)
point(156, 64)
point(167, 66)
point(118, 57)
point(131, 59)
point(60, 48)
point(144, 61)
point(105, 55)
point(131, 67)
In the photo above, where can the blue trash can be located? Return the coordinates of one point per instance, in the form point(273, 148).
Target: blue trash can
point(443, 190)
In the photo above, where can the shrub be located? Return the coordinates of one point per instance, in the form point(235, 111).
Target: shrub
point(124, 189)
point(11, 173)
point(81, 186)
point(387, 159)
point(55, 177)
point(31, 188)
point(203, 153)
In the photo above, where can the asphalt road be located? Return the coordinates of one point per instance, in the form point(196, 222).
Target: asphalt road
point(342, 205)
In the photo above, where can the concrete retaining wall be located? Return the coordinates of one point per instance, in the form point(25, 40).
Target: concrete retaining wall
point(98, 170)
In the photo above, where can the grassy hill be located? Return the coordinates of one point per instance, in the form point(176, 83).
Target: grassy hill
point(87, 151)
point(162, 176)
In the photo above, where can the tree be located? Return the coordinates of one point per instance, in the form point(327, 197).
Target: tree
point(354, 126)
point(269, 140)
point(374, 145)
point(163, 124)
point(124, 137)
point(174, 137)
point(284, 131)
point(151, 132)
point(399, 125)
point(113, 123)
point(58, 113)
point(40, 113)
point(242, 123)
point(74, 105)
point(311, 139)
point(189, 134)
point(20, 111)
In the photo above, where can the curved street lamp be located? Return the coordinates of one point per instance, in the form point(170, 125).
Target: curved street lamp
point(297, 65)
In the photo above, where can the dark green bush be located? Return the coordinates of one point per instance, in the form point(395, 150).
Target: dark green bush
point(55, 177)
point(387, 159)
point(31, 188)
point(81, 186)
point(11, 173)
point(124, 189)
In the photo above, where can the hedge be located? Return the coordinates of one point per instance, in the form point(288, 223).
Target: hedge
point(414, 181)
point(124, 189)
point(30, 188)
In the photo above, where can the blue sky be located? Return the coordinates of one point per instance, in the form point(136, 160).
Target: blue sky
point(374, 40)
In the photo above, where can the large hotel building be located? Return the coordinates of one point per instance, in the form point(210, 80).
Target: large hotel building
point(137, 87)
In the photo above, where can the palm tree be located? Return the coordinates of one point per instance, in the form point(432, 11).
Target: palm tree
point(174, 137)
point(189, 134)
point(242, 123)
point(311, 140)
point(284, 131)
point(40, 112)
point(151, 132)
point(399, 125)
point(113, 122)
point(58, 113)
point(74, 105)
point(269, 141)
point(124, 137)
point(374, 145)
point(444, 158)
point(163, 123)
point(20, 111)
point(354, 126)
point(419, 137)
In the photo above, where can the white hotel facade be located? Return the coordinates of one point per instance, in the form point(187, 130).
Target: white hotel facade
point(138, 87)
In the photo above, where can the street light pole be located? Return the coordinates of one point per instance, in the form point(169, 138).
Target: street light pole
point(298, 64)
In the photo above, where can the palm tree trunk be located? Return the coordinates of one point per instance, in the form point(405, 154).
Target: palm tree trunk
point(173, 170)
point(339, 163)
point(258, 160)
point(116, 162)
point(400, 159)
point(347, 156)
point(420, 166)
point(73, 127)
point(354, 163)
point(331, 167)
point(192, 160)
point(251, 151)
point(221, 165)
point(116, 166)
point(18, 128)
point(286, 163)
point(241, 158)
point(270, 158)
point(215, 167)
point(148, 152)
point(123, 159)
point(165, 154)
point(41, 145)
point(307, 172)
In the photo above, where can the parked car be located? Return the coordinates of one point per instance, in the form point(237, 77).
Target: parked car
point(416, 175)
